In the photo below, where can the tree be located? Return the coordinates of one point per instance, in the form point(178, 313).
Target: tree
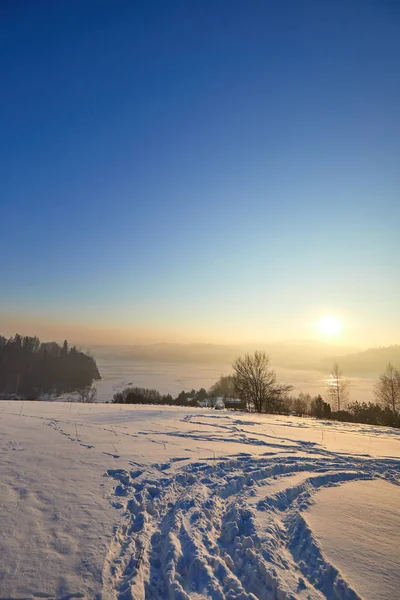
point(255, 382)
point(64, 350)
point(387, 390)
point(338, 388)
point(212, 401)
point(137, 395)
point(29, 368)
point(87, 394)
point(118, 398)
point(201, 395)
point(224, 387)
point(181, 399)
point(167, 399)
point(301, 404)
point(320, 409)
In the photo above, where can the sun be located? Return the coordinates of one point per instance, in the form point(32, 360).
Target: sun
point(329, 326)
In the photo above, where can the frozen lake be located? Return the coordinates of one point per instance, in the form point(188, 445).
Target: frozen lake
point(173, 378)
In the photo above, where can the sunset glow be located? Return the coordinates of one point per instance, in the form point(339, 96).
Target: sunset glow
point(329, 326)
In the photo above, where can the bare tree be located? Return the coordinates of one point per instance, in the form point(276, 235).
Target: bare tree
point(302, 404)
point(87, 394)
point(255, 382)
point(338, 388)
point(224, 387)
point(212, 401)
point(387, 390)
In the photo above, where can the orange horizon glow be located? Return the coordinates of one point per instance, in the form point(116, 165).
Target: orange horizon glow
point(329, 330)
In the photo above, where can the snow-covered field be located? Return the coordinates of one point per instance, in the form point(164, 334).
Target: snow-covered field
point(112, 502)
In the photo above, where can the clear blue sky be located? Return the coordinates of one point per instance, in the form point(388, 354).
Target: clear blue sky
point(200, 170)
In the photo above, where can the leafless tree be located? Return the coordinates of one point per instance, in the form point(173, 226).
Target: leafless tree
point(301, 404)
point(387, 390)
point(87, 394)
point(255, 382)
point(211, 401)
point(224, 387)
point(338, 388)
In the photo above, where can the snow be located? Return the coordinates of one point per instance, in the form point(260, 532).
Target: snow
point(364, 550)
point(135, 502)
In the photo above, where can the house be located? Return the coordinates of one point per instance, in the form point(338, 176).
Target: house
point(220, 403)
point(235, 404)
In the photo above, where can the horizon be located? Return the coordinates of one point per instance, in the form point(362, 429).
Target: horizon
point(59, 333)
point(200, 174)
point(90, 336)
point(199, 306)
point(315, 344)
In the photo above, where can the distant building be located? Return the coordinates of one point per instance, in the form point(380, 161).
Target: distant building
point(231, 403)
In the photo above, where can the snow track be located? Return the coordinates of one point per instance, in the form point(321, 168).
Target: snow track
point(229, 528)
point(106, 502)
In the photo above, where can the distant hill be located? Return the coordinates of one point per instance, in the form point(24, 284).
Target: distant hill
point(371, 361)
point(301, 355)
point(291, 355)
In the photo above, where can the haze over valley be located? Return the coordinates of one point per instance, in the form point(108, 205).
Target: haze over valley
point(199, 300)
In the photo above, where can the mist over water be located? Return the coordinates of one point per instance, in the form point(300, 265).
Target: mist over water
point(172, 378)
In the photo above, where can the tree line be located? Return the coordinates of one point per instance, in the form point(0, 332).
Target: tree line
point(254, 380)
point(138, 395)
point(30, 368)
point(253, 385)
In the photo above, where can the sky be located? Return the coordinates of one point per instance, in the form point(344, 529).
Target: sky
point(200, 171)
